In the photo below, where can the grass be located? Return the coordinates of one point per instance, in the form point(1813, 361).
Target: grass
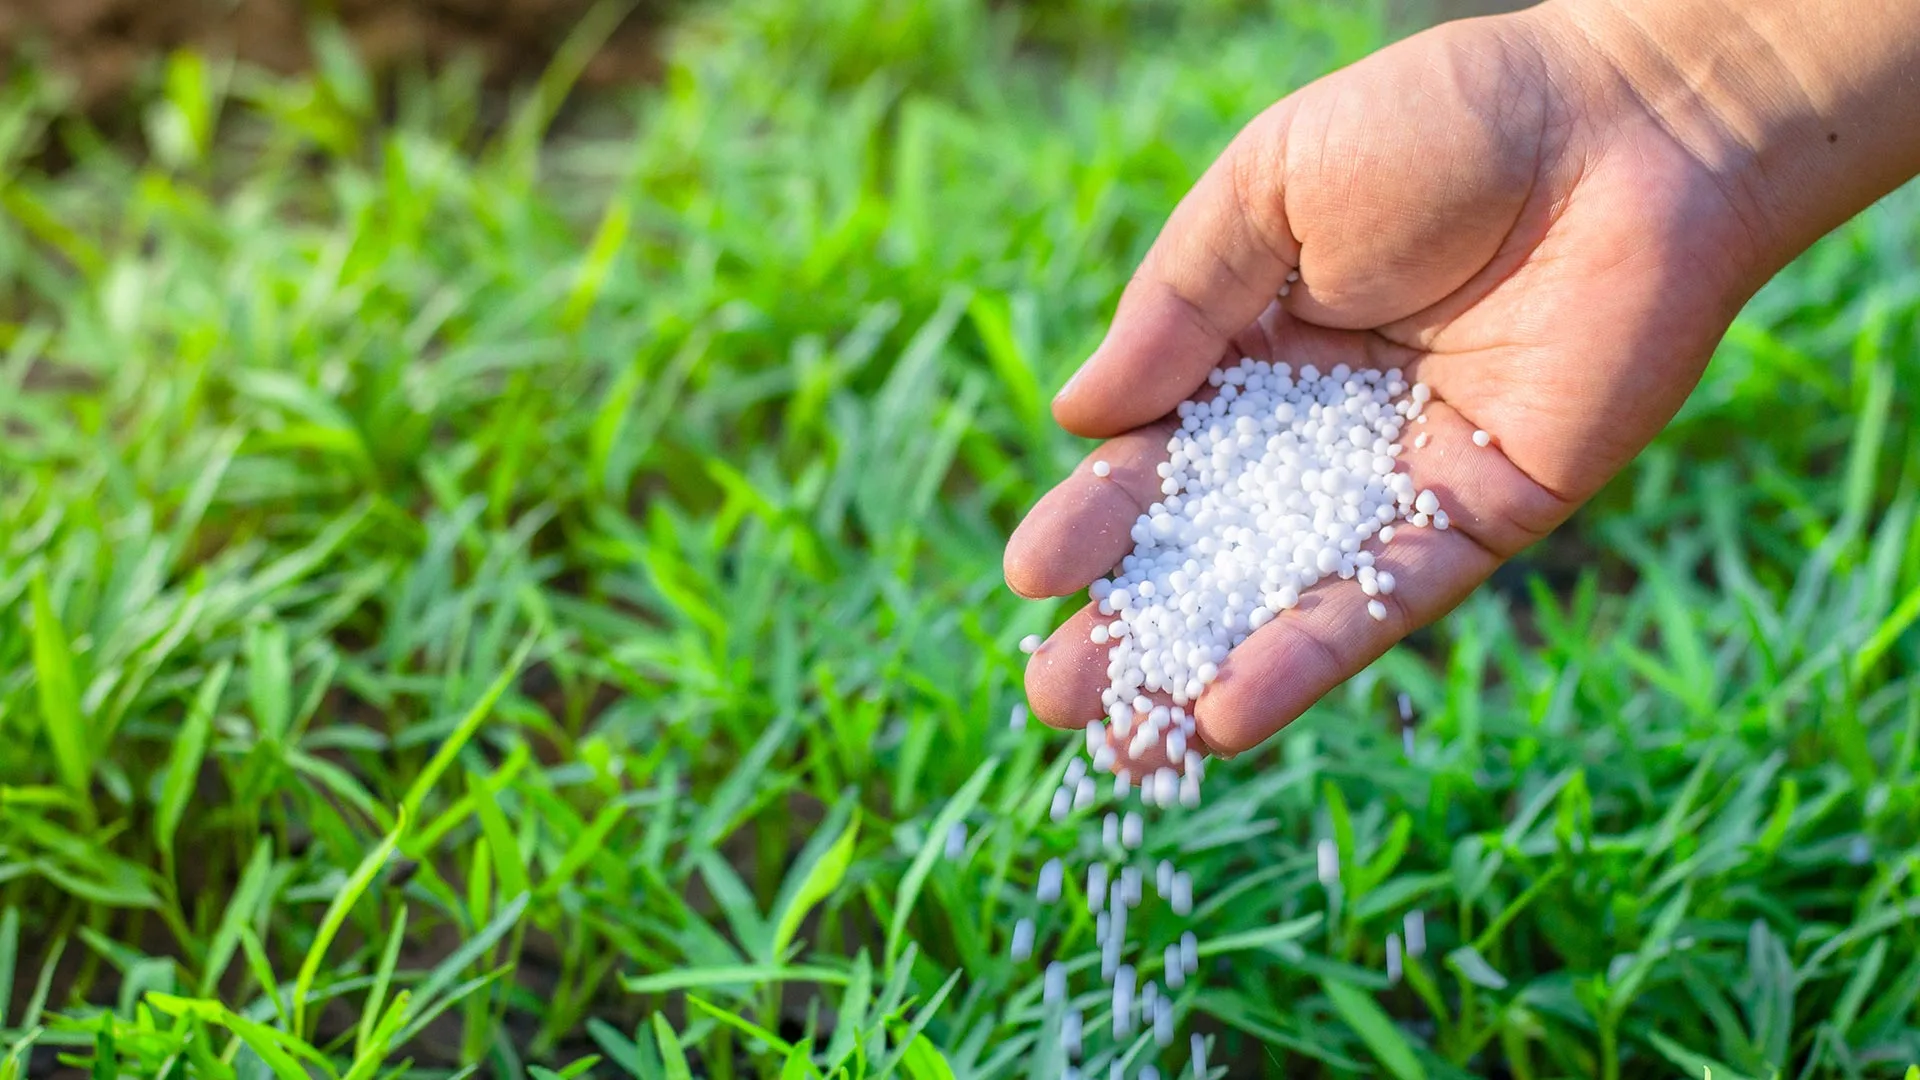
point(525, 600)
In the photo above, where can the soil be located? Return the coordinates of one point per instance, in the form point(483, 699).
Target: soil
point(103, 45)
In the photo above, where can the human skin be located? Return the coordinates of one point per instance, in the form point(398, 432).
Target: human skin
point(1550, 217)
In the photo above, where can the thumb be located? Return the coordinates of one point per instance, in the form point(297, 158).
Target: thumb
point(1218, 262)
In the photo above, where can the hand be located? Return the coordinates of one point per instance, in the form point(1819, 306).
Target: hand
point(1511, 209)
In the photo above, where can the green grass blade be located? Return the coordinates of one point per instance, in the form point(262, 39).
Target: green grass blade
point(469, 952)
point(731, 975)
point(507, 860)
point(273, 1050)
point(1691, 1063)
point(1375, 1028)
point(740, 1023)
point(734, 793)
point(382, 979)
point(106, 1058)
point(470, 723)
point(670, 1051)
point(922, 1061)
point(12, 1065)
point(1264, 937)
point(261, 966)
point(418, 1018)
point(904, 1041)
point(183, 763)
point(43, 986)
point(9, 958)
point(238, 915)
point(963, 801)
point(820, 869)
point(590, 843)
point(336, 917)
point(369, 1057)
point(270, 680)
point(621, 1050)
point(608, 238)
point(59, 699)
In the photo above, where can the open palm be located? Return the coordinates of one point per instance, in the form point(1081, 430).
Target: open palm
point(1489, 205)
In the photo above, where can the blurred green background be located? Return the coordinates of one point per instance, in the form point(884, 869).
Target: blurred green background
point(503, 580)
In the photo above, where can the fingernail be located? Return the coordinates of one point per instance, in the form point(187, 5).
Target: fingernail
point(1080, 372)
point(1072, 380)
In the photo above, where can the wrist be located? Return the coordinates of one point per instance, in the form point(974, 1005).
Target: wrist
point(1802, 112)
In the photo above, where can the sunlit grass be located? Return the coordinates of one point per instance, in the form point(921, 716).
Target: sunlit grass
point(476, 598)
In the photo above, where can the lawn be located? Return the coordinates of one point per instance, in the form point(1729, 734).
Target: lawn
point(517, 591)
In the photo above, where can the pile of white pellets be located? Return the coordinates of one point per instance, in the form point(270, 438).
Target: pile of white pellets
point(1277, 482)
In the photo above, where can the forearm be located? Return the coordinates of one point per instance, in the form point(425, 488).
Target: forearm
point(1808, 110)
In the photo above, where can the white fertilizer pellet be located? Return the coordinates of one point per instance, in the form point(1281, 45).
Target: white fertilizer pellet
point(1022, 939)
point(1416, 927)
point(1018, 720)
point(1051, 875)
point(1030, 644)
point(1328, 858)
point(1393, 958)
point(1272, 487)
point(1083, 793)
point(1070, 1031)
point(1481, 438)
point(1199, 1051)
point(956, 842)
point(1279, 484)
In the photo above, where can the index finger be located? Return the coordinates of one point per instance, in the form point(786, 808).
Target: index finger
point(1221, 258)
